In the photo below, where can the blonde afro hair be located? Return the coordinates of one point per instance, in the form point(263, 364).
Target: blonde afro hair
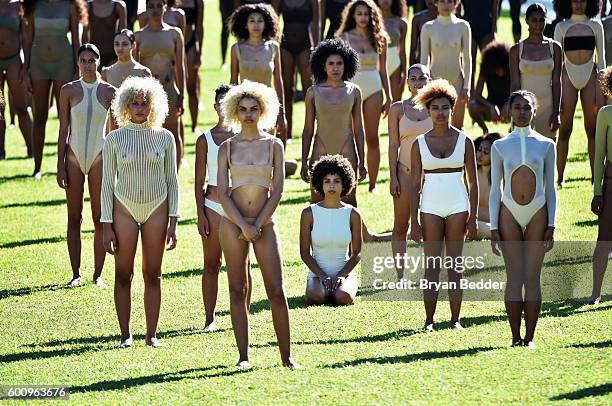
point(151, 89)
point(265, 97)
point(436, 89)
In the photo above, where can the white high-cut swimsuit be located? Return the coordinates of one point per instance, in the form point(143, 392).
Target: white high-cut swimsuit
point(444, 194)
point(523, 147)
point(330, 237)
point(211, 166)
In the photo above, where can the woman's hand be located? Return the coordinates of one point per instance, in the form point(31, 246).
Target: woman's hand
point(304, 173)
point(179, 106)
point(363, 172)
point(496, 242)
point(250, 233)
point(548, 238)
point(328, 283)
point(108, 239)
point(464, 96)
point(394, 187)
point(62, 177)
point(203, 226)
point(554, 122)
point(597, 205)
point(470, 228)
point(25, 80)
point(416, 233)
point(337, 282)
point(495, 114)
point(386, 107)
point(171, 237)
point(281, 125)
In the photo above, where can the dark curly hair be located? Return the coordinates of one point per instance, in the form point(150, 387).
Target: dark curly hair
point(536, 8)
point(563, 8)
point(220, 91)
point(334, 46)
point(376, 25)
point(494, 56)
point(237, 23)
point(398, 8)
point(333, 165)
point(606, 81)
point(81, 6)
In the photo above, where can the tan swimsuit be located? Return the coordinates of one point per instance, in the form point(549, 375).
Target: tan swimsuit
point(408, 131)
point(334, 119)
point(156, 49)
point(257, 66)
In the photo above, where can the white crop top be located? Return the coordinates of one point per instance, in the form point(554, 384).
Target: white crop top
point(330, 237)
point(454, 161)
point(211, 158)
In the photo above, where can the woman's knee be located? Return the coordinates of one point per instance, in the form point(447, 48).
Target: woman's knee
point(75, 219)
point(123, 277)
point(152, 276)
point(276, 295)
point(342, 298)
point(212, 266)
point(238, 291)
point(400, 231)
point(316, 296)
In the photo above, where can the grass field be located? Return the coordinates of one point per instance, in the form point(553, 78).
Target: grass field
point(366, 353)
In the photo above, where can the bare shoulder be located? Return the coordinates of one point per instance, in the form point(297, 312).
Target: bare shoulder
point(120, 3)
point(307, 214)
point(69, 87)
point(355, 214)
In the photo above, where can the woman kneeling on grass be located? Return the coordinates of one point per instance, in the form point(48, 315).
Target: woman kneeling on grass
point(254, 160)
point(330, 228)
point(139, 191)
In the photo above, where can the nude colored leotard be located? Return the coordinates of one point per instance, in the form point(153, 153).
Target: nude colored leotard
point(603, 147)
point(536, 76)
point(523, 147)
point(579, 75)
point(368, 77)
point(393, 58)
point(408, 131)
point(445, 46)
point(139, 169)
point(87, 125)
point(334, 119)
point(258, 67)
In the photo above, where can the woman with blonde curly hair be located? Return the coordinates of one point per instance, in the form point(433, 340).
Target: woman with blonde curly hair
point(448, 210)
point(139, 192)
point(446, 47)
point(363, 28)
point(255, 162)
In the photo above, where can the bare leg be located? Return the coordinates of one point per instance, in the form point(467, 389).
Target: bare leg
point(568, 107)
point(478, 113)
point(173, 124)
point(395, 81)
point(192, 86)
point(534, 256)
point(19, 103)
point(372, 109)
point(433, 237)
point(346, 293)
point(40, 101)
point(236, 253)
point(315, 292)
point(401, 215)
point(513, 253)
point(74, 203)
point(126, 233)
point(454, 232)
point(588, 98)
point(212, 265)
point(94, 179)
point(153, 237)
point(288, 63)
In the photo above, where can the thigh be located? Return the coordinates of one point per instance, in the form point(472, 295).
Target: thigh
point(212, 246)
point(304, 67)
point(235, 251)
point(288, 64)
point(401, 203)
point(350, 285)
point(18, 96)
point(153, 235)
point(604, 232)
point(433, 233)
point(478, 108)
point(126, 234)
point(94, 181)
point(537, 226)
point(76, 183)
point(40, 97)
point(267, 252)
point(569, 98)
point(454, 232)
point(314, 287)
point(588, 98)
point(372, 109)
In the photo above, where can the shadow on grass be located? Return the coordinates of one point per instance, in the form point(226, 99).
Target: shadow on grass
point(579, 157)
point(17, 292)
point(296, 200)
point(599, 344)
point(586, 223)
point(22, 176)
point(582, 179)
point(45, 203)
point(599, 390)
point(187, 222)
point(404, 359)
point(193, 373)
point(47, 240)
point(25, 157)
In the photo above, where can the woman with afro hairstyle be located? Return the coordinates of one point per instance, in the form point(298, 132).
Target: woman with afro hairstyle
point(254, 161)
point(447, 210)
point(329, 231)
point(333, 105)
point(364, 30)
point(601, 204)
point(394, 14)
point(446, 47)
point(582, 39)
point(256, 56)
point(495, 73)
point(49, 58)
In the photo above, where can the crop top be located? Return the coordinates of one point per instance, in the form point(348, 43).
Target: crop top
point(454, 161)
point(251, 174)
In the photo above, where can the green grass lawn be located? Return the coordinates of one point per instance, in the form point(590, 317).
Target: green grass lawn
point(366, 353)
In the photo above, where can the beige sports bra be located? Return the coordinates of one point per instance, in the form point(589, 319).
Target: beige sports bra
point(251, 174)
point(257, 65)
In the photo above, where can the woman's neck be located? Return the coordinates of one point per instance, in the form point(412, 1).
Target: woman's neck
point(440, 129)
point(363, 31)
point(156, 23)
point(331, 201)
point(129, 60)
point(255, 39)
point(579, 17)
point(535, 38)
point(485, 169)
point(249, 132)
point(334, 83)
point(386, 13)
point(445, 19)
point(90, 79)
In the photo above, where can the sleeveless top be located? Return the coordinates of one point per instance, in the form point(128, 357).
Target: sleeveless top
point(537, 74)
point(251, 174)
point(261, 69)
point(330, 237)
point(10, 22)
point(211, 158)
point(51, 19)
point(158, 43)
point(408, 131)
point(454, 161)
point(301, 14)
point(105, 28)
point(334, 118)
point(367, 60)
point(395, 34)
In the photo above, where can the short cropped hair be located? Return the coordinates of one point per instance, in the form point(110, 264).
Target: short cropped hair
point(333, 165)
point(151, 89)
point(265, 97)
point(221, 91)
point(439, 88)
point(330, 47)
point(525, 94)
point(237, 23)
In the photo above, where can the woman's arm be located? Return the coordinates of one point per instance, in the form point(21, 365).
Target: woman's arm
point(515, 73)
point(109, 170)
point(235, 64)
point(122, 14)
point(278, 184)
point(200, 177)
point(199, 29)
point(280, 91)
point(394, 144)
point(466, 45)
point(402, 49)
point(472, 180)
point(497, 173)
point(230, 209)
point(425, 42)
point(316, 22)
point(382, 69)
point(550, 191)
point(306, 221)
point(179, 49)
point(74, 33)
point(414, 41)
point(170, 170)
point(355, 245)
point(359, 134)
point(64, 129)
point(308, 131)
point(600, 44)
point(556, 87)
point(601, 135)
point(416, 169)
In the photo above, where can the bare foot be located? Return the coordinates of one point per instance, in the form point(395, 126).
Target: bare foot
point(291, 364)
point(99, 282)
point(74, 282)
point(210, 327)
point(152, 342)
point(125, 343)
point(243, 364)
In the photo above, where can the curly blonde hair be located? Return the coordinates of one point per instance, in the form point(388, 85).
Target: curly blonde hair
point(606, 81)
point(265, 97)
point(434, 90)
point(134, 86)
point(376, 25)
